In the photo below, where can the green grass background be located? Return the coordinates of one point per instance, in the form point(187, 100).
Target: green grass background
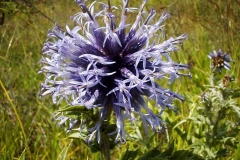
point(27, 130)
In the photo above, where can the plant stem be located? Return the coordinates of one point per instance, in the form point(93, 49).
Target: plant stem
point(105, 141)
point(105, 147)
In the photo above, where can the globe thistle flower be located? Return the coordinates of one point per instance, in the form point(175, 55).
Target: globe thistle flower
point(115, 68)
point(220, 60)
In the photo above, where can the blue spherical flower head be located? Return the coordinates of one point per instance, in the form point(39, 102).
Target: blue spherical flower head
point(114, 68)
point(220, 60)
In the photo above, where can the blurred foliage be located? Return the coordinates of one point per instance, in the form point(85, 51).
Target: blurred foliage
point(205, 128)
point(213, 121)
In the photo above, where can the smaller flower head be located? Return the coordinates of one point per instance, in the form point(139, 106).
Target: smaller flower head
point(220, 60)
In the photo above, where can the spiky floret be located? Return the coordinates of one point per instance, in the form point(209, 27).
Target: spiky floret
point(108, 67)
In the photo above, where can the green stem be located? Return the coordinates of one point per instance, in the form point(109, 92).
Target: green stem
point(105, 139)
point(105, 147)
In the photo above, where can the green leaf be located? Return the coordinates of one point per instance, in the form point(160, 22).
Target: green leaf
point(139, 135)
point(198, 135)
point(130, 155)
point(236, 93)
point(222, 153)
point(237, 156)
point(22, 156)
point(151, 154)
point(181, 122)
point(181, 133)
point(71, 108)
point(236, 109)
point(185, 155)
point(63, 154)
point(75, 135)
point(94, 147)
point(168, 152)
